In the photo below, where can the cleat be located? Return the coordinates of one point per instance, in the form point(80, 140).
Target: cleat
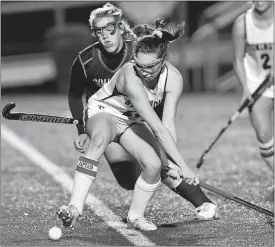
point(142, 224)
point(270, 221)
point(207, 211)
point(68, 215)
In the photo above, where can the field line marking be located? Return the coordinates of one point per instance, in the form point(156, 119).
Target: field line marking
point(98, 207)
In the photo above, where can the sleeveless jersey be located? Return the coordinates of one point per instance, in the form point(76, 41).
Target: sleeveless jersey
point(121, 104)
point(258, 58)
point(95, 71)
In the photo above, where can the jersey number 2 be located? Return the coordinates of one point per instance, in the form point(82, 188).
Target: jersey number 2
point(265, 57)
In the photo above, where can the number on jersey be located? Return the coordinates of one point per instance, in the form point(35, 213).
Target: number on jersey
point(265, 57)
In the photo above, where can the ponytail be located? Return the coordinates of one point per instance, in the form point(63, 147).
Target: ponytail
point(155, 38)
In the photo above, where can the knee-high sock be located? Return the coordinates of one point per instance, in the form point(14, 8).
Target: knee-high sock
point(143, 193)
point(267, 152)
point(191, 193)
point(85, 174)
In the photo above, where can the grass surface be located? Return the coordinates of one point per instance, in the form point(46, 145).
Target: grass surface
point(29, 197)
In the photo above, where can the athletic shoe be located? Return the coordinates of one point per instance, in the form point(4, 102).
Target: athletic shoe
point(142, 224)
point(206, 211)
point(68, 215)
point(270, 221)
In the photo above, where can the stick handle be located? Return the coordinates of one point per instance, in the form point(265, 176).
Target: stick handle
point(6, 112)
point(256, 95)
point(236, 199)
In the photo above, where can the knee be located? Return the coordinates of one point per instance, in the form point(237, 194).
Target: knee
point(263, 128)
point(152, 167)
point(264, 134)
point(98, 141)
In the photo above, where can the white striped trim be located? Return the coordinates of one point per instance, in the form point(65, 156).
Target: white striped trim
point(267, 145)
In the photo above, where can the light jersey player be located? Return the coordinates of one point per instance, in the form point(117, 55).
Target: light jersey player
point(253, 47)
point(93, 67)
point(121, 112)
point(114, 100)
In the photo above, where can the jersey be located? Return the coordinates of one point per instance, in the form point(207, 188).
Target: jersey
point(95, 70)
point(258, 60)
point(91, 69)
point(121, 104)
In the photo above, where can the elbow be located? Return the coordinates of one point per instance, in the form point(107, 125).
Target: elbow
point(238, 61)
point(73, 96)
point(237, 65)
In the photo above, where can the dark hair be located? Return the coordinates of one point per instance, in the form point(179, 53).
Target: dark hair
point(155, 38)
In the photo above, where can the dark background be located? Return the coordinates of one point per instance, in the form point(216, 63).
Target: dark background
point(204, 55)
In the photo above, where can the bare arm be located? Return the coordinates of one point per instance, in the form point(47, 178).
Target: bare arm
point(238, 34)
point(133, 88)
point(173, 92)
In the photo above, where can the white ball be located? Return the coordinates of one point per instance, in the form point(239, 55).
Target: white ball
point(55, 233)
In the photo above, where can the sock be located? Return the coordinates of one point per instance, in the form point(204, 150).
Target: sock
point(191, 193)
point(143, 193)
point(267, 152)
point(85, 174)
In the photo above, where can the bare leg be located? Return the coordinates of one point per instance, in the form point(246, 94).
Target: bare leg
point(102, 130)
point(127, 170)
point(261, 116)
point(149, 179)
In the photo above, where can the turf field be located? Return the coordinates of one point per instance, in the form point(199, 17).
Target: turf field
point(38, 161)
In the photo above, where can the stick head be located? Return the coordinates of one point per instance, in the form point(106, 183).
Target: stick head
point(6, 110)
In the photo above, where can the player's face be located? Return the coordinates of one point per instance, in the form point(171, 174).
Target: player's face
point(262, 5)
point(148, 65)
point(108, 32)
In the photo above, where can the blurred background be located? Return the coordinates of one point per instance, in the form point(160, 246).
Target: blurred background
point(40, 40)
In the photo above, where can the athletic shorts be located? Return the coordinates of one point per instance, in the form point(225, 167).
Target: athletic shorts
point(121, 122)
point(253, 84)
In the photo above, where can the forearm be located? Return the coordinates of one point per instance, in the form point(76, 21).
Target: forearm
point(172, 130)
point(240, 73)
point(76, 107)
point(166, 140)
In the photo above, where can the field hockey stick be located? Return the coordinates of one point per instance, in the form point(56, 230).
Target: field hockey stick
point(236, 199)
point(256, 95)
point(6, 112)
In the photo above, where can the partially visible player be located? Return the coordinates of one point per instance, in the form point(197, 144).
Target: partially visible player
point(95, 66)
point(253, 48)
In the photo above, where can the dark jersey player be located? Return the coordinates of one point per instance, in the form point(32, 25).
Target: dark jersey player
point(94, 67)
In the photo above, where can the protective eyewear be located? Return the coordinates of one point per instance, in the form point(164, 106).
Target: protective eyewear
point(150, 68)
point(110, 28)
